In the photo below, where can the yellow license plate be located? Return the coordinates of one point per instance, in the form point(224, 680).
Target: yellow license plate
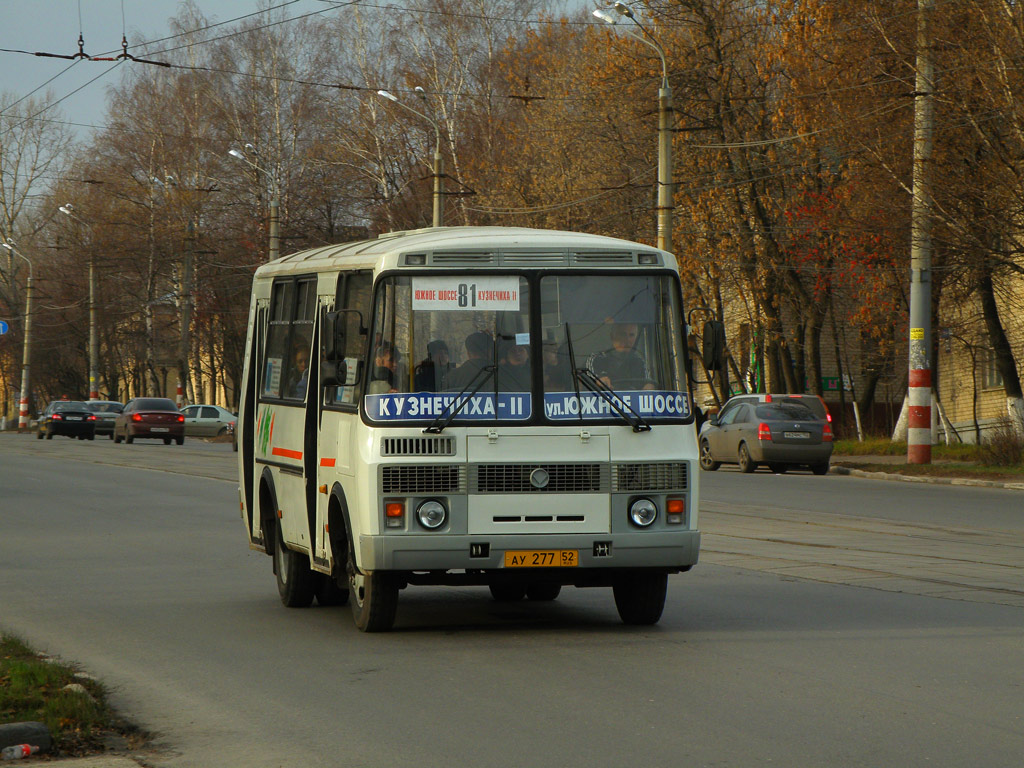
point(542, 558)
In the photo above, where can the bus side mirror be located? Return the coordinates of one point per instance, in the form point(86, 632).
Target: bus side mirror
point(334, 337)
point(714, 345)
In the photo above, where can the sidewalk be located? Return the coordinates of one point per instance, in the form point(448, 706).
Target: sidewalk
point(839, 468)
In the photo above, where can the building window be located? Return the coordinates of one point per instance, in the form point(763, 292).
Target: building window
point(990, 376)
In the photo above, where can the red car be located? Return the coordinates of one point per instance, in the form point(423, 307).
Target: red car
point(150, 418)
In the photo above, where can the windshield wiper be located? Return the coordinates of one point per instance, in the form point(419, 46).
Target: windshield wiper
point(438, 425)
point(609, 395)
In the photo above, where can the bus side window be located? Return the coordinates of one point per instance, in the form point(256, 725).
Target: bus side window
point(354, 291)
point(282, 303)
point(286, 356)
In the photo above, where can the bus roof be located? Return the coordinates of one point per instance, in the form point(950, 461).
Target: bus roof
point(469, 246)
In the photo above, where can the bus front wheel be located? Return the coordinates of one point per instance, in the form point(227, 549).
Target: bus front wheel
point(640, 597)
point(294, 578)
point(373, 598)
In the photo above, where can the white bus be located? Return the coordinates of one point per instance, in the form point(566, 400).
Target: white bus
point(469, 406)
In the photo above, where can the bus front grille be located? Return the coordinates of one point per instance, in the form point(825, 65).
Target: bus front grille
point(420, 479)
point(539, 478)
point(417, 446)
point(664, 476)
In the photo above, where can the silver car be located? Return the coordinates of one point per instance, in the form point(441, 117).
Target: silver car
point(208, 420)
point(106, 412)
point(782, 435)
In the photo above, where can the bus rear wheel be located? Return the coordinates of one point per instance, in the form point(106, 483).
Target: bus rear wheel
point(640, 597)
point(294, 578)
point(373, 598)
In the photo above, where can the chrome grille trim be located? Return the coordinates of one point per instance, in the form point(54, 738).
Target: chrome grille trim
point(422, 479)
point(417, 446)
point(604, 257)
point(663, 476)
point(562, 478)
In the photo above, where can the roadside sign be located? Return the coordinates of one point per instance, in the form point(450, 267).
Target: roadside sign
point(3, 327)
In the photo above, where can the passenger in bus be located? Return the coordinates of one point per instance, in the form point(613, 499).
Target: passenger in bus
point(384, 376)
point(622, 367)
point(556, 368)
point(300, 373)
point(433, 371)
point(479, 354)
point(514, 368)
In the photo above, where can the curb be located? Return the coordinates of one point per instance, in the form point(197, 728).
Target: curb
point(841, 470)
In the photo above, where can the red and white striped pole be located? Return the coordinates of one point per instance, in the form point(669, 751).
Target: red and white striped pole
point(919, 384)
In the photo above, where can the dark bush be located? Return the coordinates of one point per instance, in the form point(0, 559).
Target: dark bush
point(1004, 446)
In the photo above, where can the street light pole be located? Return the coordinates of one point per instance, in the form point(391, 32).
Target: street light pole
point(94, 345)
point(26, 354)
point(275, 236)
point(666, 204)
point(438, 165)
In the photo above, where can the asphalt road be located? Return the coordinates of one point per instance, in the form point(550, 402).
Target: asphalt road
point(143, 576)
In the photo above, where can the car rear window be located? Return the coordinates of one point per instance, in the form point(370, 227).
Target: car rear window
point(811, 403)
point(70, 405)
point(105, 407)
point(779, 411)
point(155, 404)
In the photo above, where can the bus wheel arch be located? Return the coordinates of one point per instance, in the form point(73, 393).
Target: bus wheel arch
point(268, 512)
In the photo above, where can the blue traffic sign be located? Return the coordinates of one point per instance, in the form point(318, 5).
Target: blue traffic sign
point(3, 327)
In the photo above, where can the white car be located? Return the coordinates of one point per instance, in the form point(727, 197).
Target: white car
point(208, 420)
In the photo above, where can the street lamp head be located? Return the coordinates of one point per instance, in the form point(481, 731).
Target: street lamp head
point(420, 92)
point(9, 245)
point(67, 209)
point(251, 148)
point(623, 10)
point(604, 16)
point(388, 95)
point(236, 154)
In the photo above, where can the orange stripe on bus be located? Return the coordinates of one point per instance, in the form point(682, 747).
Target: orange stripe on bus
point(288, 454)
point(326, 462)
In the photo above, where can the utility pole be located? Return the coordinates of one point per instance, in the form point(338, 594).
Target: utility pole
point(184, 338)
point(919, 392)
point(26, 355)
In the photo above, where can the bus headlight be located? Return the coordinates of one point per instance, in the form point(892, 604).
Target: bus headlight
point(643, 512)
point(431, 514)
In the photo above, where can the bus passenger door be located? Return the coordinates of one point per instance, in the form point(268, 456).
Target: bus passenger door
point(339, 406)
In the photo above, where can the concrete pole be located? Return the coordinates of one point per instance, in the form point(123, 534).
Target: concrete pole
point(26, 357)
point(275, 234)
point(665, 186)
point(919, 393)
point(94, 344)
point(184, 336)
point(438, 186)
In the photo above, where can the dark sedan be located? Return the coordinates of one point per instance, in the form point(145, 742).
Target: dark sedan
point(67, 417)
point(781, 435)
point(150, 418)
point(106, 413)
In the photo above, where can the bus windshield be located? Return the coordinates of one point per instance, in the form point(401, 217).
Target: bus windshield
point(470, 343)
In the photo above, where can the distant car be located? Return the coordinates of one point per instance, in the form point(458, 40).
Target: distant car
point(67, 417)
point(782, 434)
point(813, 402)
point(106, 412)
point(153, 418)
point(208, 420)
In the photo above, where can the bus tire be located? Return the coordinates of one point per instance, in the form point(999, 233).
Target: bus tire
point(507, 593)
point(640, 597)
point(294, 578)
point(373, 598)
point(328, 592)
point(543, 592)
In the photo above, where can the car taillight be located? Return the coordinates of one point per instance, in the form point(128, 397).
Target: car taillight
point(58, 417)
point(136, 417)
point(181, 417)
point(90, 417)
point(826, 433)
point(764, 432)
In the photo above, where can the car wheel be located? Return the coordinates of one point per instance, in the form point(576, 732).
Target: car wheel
point(117, 438)
point(507, 593)
point(129, 438)
point(181, 440)
point(706, 462)
point(223, 431)
point(92, 436)
point(39, 434)
point(167, 441)
point(820, 469)
point(294, 578)
point(543, 592)
point(49, 434)
point(640, 597)
point(778, 469)
point(373, 598)
point(747, 464)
